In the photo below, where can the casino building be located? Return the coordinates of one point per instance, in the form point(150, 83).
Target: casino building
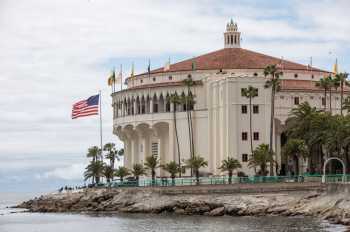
point(144, 117)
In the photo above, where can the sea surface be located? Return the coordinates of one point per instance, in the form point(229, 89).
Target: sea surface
point(12, 220)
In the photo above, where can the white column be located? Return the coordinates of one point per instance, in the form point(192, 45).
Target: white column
point(171, 136)
point(128, 154)
point(133, 151)
point(278, 151)
point(151, 105)
point(135, 107)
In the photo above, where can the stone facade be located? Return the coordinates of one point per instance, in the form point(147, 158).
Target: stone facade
point(144, 116)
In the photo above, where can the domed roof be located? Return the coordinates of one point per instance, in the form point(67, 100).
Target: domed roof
point(233, 58)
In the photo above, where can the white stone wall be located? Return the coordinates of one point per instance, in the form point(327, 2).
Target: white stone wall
point(218, 122)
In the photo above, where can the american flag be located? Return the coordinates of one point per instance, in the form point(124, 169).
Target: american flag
point(86, 107)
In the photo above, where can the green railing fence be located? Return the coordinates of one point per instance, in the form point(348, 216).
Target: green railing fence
point(225, 180)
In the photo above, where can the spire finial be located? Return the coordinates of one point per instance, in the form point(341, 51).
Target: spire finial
point(232, 35)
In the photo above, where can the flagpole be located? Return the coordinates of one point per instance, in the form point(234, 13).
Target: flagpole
point(100, 119)
point(121, 77)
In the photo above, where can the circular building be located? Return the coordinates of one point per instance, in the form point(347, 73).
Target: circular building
point(197, 106)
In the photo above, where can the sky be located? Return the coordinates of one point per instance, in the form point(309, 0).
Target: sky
point(56, 52)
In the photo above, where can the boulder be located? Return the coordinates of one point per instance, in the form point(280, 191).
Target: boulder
point(217, 212)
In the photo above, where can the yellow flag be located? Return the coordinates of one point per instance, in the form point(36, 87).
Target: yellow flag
point(167, 65)
point(132, 70)
point(118, 79)
point(335, 67)
point(111, 78)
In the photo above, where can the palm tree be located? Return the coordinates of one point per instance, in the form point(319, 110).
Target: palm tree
point(175, 100)
point(274, 83)
point(250, 93)
point(152, 163)
point(189, 101)
point(261, 158)
point(346, 104)
point(122, 172)
point(295, 148)
point(94, 170)
point(108, 172)
point(326, 85)
point(111, 153)
point(229, 165)
point(121, 152)
point(341, 80)
point(196, 162)
point(94, 152)
point(138, 170)
point(173, 168)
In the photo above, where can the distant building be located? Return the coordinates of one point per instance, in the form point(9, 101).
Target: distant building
point(144, 118)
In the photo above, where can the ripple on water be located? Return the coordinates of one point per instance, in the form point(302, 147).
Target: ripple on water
point(36, 222)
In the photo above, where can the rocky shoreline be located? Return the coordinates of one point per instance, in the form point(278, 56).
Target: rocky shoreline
point(334, 206)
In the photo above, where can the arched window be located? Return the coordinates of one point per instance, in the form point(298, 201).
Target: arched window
point(184, 103)
point(167, 106)
point(161, 104)
point(190, 105)
point(143, 105)
point(231, 39)
point(138, 105)
point(155, 104)
point(148, 105)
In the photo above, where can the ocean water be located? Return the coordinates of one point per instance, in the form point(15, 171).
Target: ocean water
point(11, 220)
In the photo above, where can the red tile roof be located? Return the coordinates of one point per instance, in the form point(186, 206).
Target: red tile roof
point(304, 85)
point(232, 58)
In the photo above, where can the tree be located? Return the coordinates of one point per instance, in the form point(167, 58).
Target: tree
point(196, 162)
point(122, 172)
point(138, 170)
point(295, 148)
point(112, 154)
point(173, 168)
point(346, 104)
point(189, 101)
point(108, 172)
point(229, 165)
point(94, 170)
point(326, 84)
point(94, 152)
point(152, 163)
point(309, 124)
point(175, 100)
point(121, 152)
point(341, 80)
point(250, 93)
point(262, 156)
point(274, 84)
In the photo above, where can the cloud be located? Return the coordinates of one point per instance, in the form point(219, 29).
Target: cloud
point(54, 53)
point(72, 172)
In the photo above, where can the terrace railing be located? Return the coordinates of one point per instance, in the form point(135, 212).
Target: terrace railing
point(163, 182)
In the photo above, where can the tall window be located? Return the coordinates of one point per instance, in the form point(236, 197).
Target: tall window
point(167, 106)
point(155, 149)
point(255, 109)
point(244, 157)
point(296, 100)
point(244, 109)
point(256, 135)
point(155, 107)
point(244, 136)
point(323, 101)
point(141, 147)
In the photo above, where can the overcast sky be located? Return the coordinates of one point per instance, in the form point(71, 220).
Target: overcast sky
point(56, 52)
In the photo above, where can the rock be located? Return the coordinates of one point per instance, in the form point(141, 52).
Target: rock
point(232, 210)
point(179, 211)
point(335, 207)
point(217, 212)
